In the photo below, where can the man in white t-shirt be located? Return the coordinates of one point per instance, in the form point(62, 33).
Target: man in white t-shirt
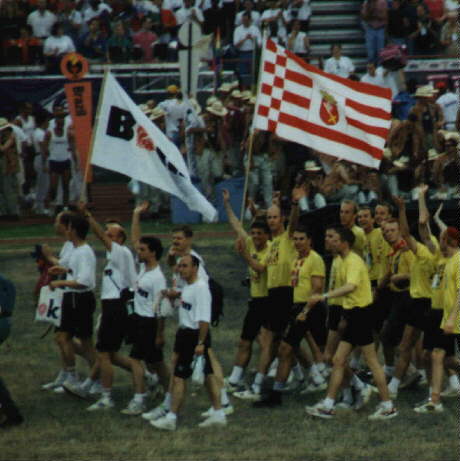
point(175, 109)
point(41, 20)
point(147, 322)
point(338, 64)
point(192, 340)
point(371, 76)
point(248, 8)
point(449, 102)
point(118, 278)
point(79, 303)
point(189, 12)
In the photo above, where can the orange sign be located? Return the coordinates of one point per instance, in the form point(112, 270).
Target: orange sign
point(79, 99)
point(74, 66)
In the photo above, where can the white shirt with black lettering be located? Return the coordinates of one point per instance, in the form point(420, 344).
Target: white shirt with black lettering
point(179, 283)
point(119, 272)
point(148, 287)
point(65, 253)
point(82, 268)
point(195, 305)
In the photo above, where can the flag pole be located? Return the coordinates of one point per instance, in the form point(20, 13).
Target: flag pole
point(96, 120)
point(251, 132)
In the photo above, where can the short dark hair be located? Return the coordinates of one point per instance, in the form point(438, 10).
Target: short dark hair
point(154, 244)
point(262, 225)
point(304, 230)
point(195, 261)
point(64, 217)
point(387, 205)
point(347, 201)
point(366, 207)
point(346, 235)
point(79, 224)
point(187, 230)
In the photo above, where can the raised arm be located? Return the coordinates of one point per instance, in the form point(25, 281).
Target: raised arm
point(424, 219)
point(95, 226)
point(297, 193)
point(232, 219)
point(136, 222)
point(241, 248)
point(404, 225)
point(437, 219)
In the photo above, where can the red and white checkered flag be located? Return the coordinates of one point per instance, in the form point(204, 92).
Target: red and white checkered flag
point(333, 115)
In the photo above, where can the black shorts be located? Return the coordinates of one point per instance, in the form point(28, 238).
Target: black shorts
point(77, 314)
point(334, 315)
point(184, 347)
point(381, 308)
point(315, 323)
point(397, 318)
point(446, 342)
point(113, 325)
point(59, 167)
point(418, 312)
point(143, 341)
point(254, 318)
point(278, 309)
point(358, 330)
point(432, 329)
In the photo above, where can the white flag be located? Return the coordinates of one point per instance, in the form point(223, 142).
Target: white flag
point(126, 141)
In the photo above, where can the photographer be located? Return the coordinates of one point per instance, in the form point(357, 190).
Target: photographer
point(311, 177)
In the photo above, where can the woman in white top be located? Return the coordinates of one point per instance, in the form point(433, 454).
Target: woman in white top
point(338, 64)
point(59, 145)
point(56, 46)
point(298, 41)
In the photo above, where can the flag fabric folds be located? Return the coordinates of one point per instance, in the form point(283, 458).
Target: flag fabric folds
point(331, 114)
point(126, 141)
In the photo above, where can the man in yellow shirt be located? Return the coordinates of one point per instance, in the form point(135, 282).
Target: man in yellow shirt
point(348, 215)
point(396, 278)
point(258, 245)
point(277, 265)
point(307, 278)
point(357, 297)
point(449, 333)
point(416, 313)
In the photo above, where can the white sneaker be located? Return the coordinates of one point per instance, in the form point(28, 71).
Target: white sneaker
point(362, 397)
point(75, 388)
point(164, 424)
point(214, 420)
point(228, 410)
point(134, 408)
point(159, 412)
point(248, 394)
point(59, 390)
point(312, 388)
point(60, 378)
point(430, 407)
point(344, 405)
point(104, 403)
point(96, 388)
point(450, 392)
point(320, 411)
point(381, 414)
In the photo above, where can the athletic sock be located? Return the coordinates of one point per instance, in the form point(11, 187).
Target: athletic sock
point(298, 372)
point(278, 386)
point(315, 375)
point(87, 383)
point(172, 416)
point(328, 403)
point(167, 400)
point(236, 375)
point(357, 383)
point(219, 413)
point(354, 363)
point(106, 393)
point(389, 370)
point(257, 384)
point(387, 405)
point(321, 366)
point(224, 397)
point(422, 372)
point(454, 382)
point(139, 398)
point(394, 385)
point(347, 395)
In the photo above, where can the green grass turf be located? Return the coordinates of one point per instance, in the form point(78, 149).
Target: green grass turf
point(58, 428)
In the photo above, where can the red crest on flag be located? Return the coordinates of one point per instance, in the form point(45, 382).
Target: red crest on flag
point(143, 139)
point(328, 112)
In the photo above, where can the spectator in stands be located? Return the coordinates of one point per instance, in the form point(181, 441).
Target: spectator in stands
point(312, 181)
point(397, 24)
point(450, 34)
point(449, 102)
point(145, 39)
point(55, 47)
point(214, 19)
point(246, 39)
point(230, 8)
point(189, 12)
point(338, 64)
point(300, 10)
point(338, 183)
point(424, 38)
point(436, 11)
point(175, 110)
point(276, 20)
point(374, 14)
point(96, 9)
point(71, 19)
point(298, 41)
point(93, 44)
point(41, 20)
point(13, 15)
point(446, 168)
point(9, 168)
point(409, 12)
point(371, 76)
point(119, 44)
point(248, 7)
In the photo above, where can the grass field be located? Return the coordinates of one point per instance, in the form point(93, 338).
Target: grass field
point(58, 428)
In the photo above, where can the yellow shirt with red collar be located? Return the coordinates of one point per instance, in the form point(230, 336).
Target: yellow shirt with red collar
point(399, 261)
point(303, 269)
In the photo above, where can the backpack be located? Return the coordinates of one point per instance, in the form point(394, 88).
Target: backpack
point(217, 301)
point(393, 57)
point(7, 297)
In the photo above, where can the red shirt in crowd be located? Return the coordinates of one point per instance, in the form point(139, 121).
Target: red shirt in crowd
point(435, 8)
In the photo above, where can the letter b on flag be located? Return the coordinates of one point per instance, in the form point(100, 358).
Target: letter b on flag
point(120, 124)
